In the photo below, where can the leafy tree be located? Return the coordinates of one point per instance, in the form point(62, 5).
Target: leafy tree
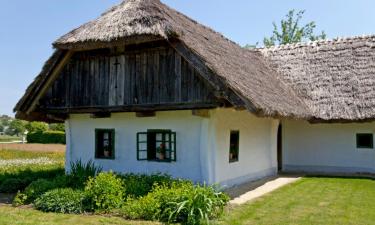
point(17, 127)
point(57, 126)
point(291, 31)
point(1, 128)
point(36, 127)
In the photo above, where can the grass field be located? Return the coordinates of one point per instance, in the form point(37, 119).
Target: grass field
point(315, 201)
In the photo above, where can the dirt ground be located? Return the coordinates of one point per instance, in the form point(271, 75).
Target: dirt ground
point(34, 147)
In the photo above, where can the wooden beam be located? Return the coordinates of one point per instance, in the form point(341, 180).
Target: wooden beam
point(145, 114)
point(99, 115)
point(49, 81)
point(205, 113)
point(132, 108)
point(222, 90)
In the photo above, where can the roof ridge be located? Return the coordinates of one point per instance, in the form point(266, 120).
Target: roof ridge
point(335, 40)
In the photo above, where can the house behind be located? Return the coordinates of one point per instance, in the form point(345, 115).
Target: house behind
point(145, 89)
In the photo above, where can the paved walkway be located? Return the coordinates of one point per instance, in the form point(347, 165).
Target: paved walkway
point(249, 191)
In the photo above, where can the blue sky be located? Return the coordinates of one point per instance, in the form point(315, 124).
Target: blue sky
point(27, 28)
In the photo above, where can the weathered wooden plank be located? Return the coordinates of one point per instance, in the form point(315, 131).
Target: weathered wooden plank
point(112, 80)
point(178, 78)
point(120, 80)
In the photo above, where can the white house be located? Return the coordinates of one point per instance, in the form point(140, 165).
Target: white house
point(145, 89)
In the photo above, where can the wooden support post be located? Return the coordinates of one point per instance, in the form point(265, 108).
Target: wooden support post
point(145, 114)
point(205, 113)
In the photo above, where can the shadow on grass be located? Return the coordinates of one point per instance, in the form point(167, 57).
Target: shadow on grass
point(18, 181)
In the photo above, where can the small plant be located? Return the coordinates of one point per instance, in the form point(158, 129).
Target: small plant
point(146, 208)
point(61, 201)
point(19, 199)
point(80, 172)
point(40, 186)
point(106, 191)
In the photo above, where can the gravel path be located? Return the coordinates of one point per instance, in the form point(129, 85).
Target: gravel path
point(263, 187)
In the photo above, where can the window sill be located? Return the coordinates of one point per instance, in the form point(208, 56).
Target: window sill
point(105, 158)
point(233, 161)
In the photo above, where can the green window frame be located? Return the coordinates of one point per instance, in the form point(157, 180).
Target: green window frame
point(104, 144)
point(156, 145)
point(234, 146)
point(365, 140)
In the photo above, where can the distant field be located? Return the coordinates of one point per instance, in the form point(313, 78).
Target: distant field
point(6, 138)
point(34, 147)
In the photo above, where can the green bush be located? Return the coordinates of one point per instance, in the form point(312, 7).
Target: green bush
point(146, 208)
point(80, 173)
point(105, 191)
point(181, 202)
point(41, 186)
point(12, 185)
point(137, 185)
point(46, 137)
point(61, 201)
point(19, 199)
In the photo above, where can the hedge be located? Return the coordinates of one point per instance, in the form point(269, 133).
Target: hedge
point(46, 137)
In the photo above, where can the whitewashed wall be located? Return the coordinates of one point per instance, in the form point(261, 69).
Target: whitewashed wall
point(257, 150)
point(81, 142)
point(202, 144)
point(326, 147)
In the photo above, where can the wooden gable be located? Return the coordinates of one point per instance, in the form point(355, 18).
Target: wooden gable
point(136, 78)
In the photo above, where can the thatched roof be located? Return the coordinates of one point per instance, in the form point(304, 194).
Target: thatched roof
point(328, 80)
point(243, 71)
point(336, 78)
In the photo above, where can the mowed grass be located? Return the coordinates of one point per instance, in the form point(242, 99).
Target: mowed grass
point(312, 201)
point(26, 216)
point(6, 138)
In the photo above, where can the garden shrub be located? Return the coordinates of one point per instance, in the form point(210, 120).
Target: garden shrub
point(181, 202)
point(19, 199)
point(80, 173)
point(146, 208)
point(46, 137)
point(40, 186)
point(137, 185)
point(62, 201)
point(105, 191)
point(12, 185)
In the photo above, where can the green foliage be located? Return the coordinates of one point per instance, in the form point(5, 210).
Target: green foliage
point(19, 199)
point(62, 201)
point(291, 31)
point(1, 128)
point(181, 202)
point(12, 185)
point(137, 185)
point(46, 137)
point(146, 208)
point(41, 186)
point(196, 205)
point(80, 173)
point(57, 127)
point(17, 127)
point(33, 127)
point(105, 191)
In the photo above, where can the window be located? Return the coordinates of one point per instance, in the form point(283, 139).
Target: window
point(104, 144)
point(365, 140)
point(156, 145)
point(234, 146)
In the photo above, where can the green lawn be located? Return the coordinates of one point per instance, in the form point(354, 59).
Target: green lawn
point(312, 201)
point(18, 216)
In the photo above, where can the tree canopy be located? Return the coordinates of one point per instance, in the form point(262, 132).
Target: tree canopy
point(291, 31)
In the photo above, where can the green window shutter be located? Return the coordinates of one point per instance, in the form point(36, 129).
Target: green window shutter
point(142, 146)
point(173, 147)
